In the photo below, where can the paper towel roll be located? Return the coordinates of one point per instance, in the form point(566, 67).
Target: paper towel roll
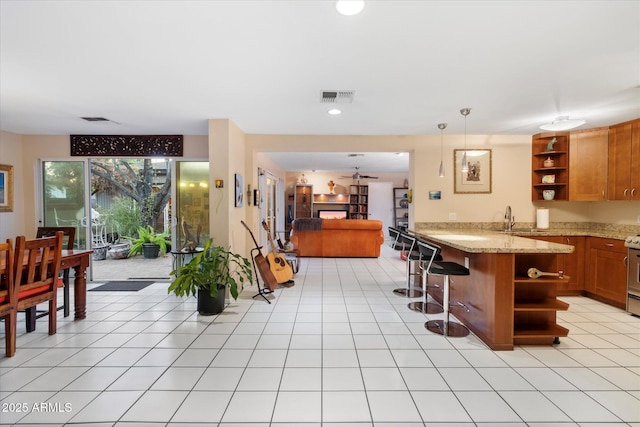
point(542, 218)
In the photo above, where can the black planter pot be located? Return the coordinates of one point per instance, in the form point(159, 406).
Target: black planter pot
point(208, 305)
point(150, 250)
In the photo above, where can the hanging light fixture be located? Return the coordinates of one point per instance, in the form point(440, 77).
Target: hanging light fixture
point(465, 167)
point(442, 127)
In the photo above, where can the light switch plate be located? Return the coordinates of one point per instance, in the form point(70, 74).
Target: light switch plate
point(452, 216)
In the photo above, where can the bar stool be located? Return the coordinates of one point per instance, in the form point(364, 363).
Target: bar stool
point(428, 255)
point(394, 234)
point(446, 269)
point(412, 256)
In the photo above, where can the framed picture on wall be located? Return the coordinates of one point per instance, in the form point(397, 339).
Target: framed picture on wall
point(238, 192)
point(6, 188)
point(477, 179)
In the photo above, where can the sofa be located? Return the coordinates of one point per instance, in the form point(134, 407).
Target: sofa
point(315, 237)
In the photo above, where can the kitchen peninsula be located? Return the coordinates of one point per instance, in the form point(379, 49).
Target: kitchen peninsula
point(498, 301)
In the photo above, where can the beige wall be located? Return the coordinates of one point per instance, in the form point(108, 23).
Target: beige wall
point(226, 158)
point(12, 223)
point(320, 180)
point(57, 147)
point(511, 175)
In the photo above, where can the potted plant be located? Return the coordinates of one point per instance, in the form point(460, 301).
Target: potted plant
point(207, 275)
point(148, 242)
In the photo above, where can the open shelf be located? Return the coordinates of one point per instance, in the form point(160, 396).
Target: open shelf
point(559, 159)
point(547, 304)
point(540, 331)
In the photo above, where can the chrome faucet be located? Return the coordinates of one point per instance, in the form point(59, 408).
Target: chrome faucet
point(509, 220)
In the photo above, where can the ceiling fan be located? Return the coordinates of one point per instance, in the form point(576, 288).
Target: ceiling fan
point(357, 176)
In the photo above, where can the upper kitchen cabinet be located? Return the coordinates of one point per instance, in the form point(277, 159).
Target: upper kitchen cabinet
point(588, 164)
point(624, 161)
point(550, 162)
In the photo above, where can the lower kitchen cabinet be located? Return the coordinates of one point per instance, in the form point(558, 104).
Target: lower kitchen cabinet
point(571, 264)
point(606, 271)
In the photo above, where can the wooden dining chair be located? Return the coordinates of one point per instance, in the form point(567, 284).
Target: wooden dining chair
point(8, 310)
point(37, 264)
point(70, 237)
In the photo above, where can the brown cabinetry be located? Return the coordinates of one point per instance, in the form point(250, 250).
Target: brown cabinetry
point(303, 201)
point(624, 161)
point(607, 270)
point(550, 162)
point(588, 164)
point(572, 265)
point(535, 304)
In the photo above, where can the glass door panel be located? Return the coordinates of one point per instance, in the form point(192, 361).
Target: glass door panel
point(270, 208)
point(192, 208)
point(63, 204)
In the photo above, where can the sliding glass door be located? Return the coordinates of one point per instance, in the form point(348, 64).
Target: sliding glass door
point(192, 207)
point(63, 196)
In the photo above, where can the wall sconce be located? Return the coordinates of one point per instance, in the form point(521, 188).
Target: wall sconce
point(219, 183)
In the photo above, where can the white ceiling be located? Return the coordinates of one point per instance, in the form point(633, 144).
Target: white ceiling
point(166, 67)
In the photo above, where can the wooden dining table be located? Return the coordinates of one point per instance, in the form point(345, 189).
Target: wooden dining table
point(78, 259)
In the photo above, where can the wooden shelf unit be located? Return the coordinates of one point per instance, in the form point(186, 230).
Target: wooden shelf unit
point(400, 208)
point(331, 199)
point(358, 201)
point(303, 201)
point(535, 303)
point(560, 156)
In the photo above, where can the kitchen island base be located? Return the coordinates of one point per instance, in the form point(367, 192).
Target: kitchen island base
point(500, 304)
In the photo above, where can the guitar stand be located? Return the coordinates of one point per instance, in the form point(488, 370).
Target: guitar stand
point(262, 291)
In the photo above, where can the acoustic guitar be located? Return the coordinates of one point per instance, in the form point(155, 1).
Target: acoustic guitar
point(277, 262)
point(263, 267)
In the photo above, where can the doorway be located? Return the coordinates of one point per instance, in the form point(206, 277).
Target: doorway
point(381, 204)
point(114, 205)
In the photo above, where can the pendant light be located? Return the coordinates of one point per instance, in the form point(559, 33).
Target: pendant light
point(465, 167)
point(442, 127)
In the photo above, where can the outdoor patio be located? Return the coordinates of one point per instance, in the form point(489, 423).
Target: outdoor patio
point(131, 268)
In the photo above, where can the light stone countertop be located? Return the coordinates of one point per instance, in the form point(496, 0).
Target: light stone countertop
point(483, 241)
point(610, 231)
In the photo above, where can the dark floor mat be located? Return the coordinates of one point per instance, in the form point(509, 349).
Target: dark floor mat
point(123, 285)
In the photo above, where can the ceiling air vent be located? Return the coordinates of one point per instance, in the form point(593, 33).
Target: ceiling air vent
point(337, 96)
point(95, 119)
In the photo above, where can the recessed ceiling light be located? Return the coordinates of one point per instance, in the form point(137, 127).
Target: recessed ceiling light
point(334, 111)
point(563, 123)
point(350, 7)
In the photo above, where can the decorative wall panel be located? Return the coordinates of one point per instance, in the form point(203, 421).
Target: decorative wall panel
point(127, 145)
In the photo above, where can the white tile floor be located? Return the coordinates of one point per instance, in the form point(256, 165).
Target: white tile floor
point(337, 349)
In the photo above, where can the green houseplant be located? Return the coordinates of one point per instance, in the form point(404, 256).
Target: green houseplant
point(207, 275)
point(149, 243)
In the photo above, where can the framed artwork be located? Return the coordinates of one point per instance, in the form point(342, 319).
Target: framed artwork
point(239, 195)
point(478, 178)
point(435, 195)
point(6, 188)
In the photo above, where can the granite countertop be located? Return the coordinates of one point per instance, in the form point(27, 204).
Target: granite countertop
point(610, 231)
point(485, 241)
